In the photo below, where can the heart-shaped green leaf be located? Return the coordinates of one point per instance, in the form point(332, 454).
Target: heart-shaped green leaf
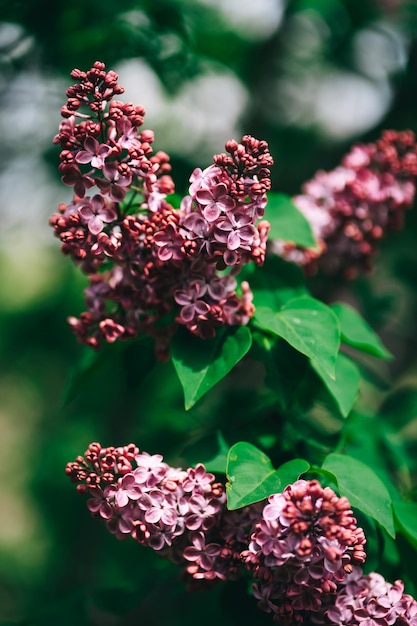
point(344, 387)
point(252, 477)
point(357, 333)
point(363, 488)
point(309, 326)
point(201, 363)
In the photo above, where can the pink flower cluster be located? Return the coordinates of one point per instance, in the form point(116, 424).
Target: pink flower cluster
point(179, 513)
point(301, 547)
point(151, 266)
point(351, 207)
point(369, 600)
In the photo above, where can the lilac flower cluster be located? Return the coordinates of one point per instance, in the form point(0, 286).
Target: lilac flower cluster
point(351, 207)
point(369, 600)
point(150, 266)
point(302, 547)
point(179, 513)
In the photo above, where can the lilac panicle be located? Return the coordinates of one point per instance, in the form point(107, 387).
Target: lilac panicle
point(303, 546)
point(353, 206)
point(369, 600)
point(145, 260)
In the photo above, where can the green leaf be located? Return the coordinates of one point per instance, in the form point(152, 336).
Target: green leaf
point(406, 516)
point(276, 282)
point(290, 471)
point(357, 333)
point(218, 463)
point(307, 325)
point(287, 222)
point(363, 488)
point(345, 387)
point(252, 477)
point(201, 363)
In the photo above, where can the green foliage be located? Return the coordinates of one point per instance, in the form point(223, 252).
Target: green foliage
point(357, 333)
point(287, 222)
point(344, 387)
point(252, 477)
point(363, 488)
point(276, 282)
point(200, 364)
point(406, 516)
point(309, 326)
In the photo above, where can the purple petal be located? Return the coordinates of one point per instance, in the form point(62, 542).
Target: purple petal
point(108, 214)
point(227, 203)
point(204, 196)
point(187, 313)
point(201, 307)
point(95, 225)
point(169, 517)
point(182, 297)
point(211, 212)
point(117, 193)
point(230, 257)
point(84, 157)
point(86, 212)
point(193, 522)
point(110, 170)
point(165, 253)
point(233, 240)
point(153, 515)
point(121, 498)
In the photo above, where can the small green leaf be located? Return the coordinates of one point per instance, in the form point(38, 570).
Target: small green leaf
point(345, 387)
point(363, 488)
point(357, 333)
point(287, 222)
point(406, 516)
point(307, 325)
point(201, 363)
point(252, 477)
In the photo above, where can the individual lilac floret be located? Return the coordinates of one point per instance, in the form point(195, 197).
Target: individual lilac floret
point(302, 547)
point(369, 600)
point(351, 207)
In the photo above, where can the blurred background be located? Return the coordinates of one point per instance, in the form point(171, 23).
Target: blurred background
point(310, 77)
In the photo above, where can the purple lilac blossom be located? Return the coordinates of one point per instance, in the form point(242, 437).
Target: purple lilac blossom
point(352, 207)
point(143, 257)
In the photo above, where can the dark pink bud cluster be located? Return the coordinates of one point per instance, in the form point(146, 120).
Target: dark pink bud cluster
point(147, 261)
point(369, 600)
point(302, 547)
point(351, 207)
